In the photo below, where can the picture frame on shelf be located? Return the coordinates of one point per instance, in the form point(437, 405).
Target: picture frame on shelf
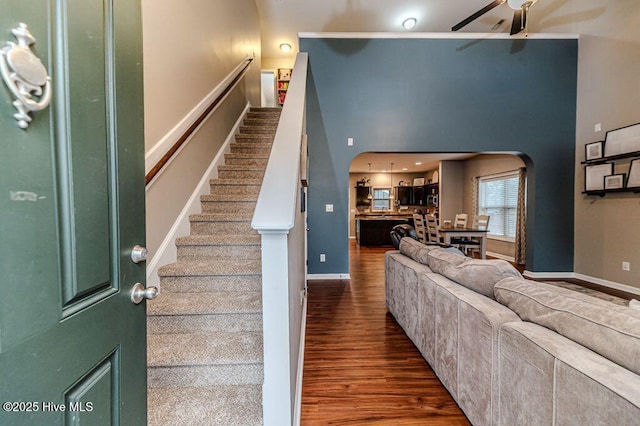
point(594, 176)
point(615, 181)
point(418, 181)
point(594, 150)
point(623, 140)
point(633, 180)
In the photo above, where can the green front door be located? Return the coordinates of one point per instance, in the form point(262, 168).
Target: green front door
point(72, 343)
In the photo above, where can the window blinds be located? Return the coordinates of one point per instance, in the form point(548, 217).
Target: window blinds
point(498, 198)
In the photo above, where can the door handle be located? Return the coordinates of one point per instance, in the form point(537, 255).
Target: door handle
point(139, 292)
point(25, 76)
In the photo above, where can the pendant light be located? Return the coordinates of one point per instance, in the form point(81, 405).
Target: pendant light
point(369, 197)
point(391, 197)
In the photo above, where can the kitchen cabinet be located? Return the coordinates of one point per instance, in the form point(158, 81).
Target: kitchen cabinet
point(362, 196)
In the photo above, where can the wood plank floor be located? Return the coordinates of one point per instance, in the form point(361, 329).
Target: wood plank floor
point(359, 367)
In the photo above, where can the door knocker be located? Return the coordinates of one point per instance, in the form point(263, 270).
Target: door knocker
point(25, 76)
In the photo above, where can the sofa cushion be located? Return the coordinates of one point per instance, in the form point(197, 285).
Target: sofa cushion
point(415, 249)
point(610, 330)
point(476, 274)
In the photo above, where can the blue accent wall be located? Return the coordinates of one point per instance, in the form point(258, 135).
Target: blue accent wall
point(443, 95)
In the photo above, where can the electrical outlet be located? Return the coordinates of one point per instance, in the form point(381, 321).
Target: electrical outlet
point(597, 127)
point(626, 266)
point(350, 141)
point(323, 258)
point(328, 208)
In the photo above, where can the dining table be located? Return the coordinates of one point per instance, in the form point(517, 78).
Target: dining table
point(458, 232)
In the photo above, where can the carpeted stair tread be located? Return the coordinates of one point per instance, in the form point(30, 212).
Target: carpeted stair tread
point(265, 109)
point(205, 375)
point(222, 302)
point(205, 406)
point(228, 197)
point(218, 240)
point(246, 156)
point(253, 138)
point(272, 116)
point(211, 283)
point(254, 142)
point(265, 130)
point(178, 324)
point(237, 181)
point(222, 217)
point(211, 268)
point(242, 167)
point(204, 349)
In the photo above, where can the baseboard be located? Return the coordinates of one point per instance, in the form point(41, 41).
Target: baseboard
point(607, 283)
point(582, 277)
point(312, 277)
point(548, 275)
point(167, 252)
point(156, 153)
point(501, 256)
point(297, 413)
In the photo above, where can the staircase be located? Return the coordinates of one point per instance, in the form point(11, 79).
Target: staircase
point(205, 363)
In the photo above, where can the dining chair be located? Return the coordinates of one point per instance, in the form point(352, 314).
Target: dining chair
point(433, 236)
point(460, 221)
point(473, 244)
point(419, 225)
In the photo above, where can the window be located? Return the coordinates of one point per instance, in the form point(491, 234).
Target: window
point(498, 198)
point(381, 199)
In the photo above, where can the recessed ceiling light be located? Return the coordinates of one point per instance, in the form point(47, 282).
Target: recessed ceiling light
point(404, 169)
point(409, 23)
point(418, 163)
point(285, 47)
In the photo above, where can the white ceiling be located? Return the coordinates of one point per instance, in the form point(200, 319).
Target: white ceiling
point(282, 20)
point(381, 162)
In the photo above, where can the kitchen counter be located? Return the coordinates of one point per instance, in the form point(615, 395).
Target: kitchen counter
point(374, 229)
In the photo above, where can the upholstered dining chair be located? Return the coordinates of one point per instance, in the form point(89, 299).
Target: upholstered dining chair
point(419, 225)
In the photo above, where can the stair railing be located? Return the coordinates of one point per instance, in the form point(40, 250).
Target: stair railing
point(280, 220)
point(220, 93)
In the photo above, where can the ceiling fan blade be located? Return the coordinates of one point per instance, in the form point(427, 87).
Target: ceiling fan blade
point(517, 24)
point(476, 15)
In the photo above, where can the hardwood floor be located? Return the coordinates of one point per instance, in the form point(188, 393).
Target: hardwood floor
point(360, 368)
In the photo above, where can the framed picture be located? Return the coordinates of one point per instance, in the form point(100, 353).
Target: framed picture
point(633, 181)
point(593, 151)
point(623, 140)
point(594, 176)
point(418, 181)
point(614, 181)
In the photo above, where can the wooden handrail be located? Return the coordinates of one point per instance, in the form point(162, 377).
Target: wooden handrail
point(185, 136)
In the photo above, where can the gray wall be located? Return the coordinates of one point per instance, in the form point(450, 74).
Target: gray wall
point(607, 229)
point(438, 95)
point(180, 70)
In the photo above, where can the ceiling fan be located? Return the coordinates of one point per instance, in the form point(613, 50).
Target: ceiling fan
point(520, 12)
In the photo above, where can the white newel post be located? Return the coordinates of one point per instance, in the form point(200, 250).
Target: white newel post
point(276, 391)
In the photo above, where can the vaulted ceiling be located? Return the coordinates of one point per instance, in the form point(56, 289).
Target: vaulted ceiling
point(282, 20)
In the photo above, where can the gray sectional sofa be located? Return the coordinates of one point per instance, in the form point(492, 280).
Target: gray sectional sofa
point(513, 351)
